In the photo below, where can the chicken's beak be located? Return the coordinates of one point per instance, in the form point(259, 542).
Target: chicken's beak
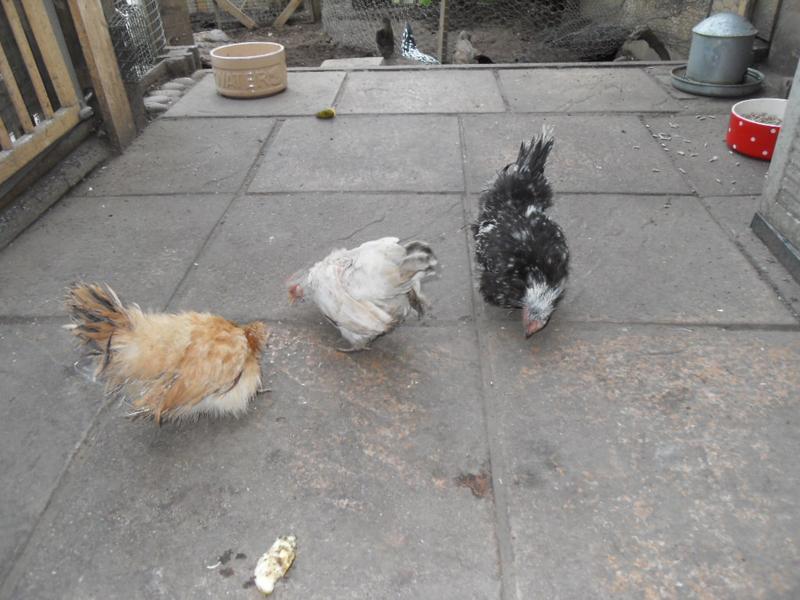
point(294, 294)
point(532, 327)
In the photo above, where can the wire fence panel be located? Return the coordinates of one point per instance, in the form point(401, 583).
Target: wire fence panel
point(520, 30)
point(138, 36)
point(263, 12)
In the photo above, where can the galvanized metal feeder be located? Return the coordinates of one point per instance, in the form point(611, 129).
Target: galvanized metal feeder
point(719, 58)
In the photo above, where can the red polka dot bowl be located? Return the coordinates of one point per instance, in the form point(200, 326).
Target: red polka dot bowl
point(747, 134)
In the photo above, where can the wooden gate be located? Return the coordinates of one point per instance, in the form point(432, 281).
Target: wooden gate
point(57, 114)
point(48, 105)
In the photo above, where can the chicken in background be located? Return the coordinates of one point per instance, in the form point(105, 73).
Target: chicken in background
point(465, 53)
point(367, 291)
point(409, 50)
point(522, 252)
point(384, 39)
point(170, 366)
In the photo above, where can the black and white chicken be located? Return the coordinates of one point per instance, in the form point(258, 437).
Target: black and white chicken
point(522, 252)
point(367, 291)
point(409, 50)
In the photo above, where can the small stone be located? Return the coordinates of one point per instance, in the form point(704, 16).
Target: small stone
point(213, 35)
point(154, 107)
point(158, 99)
point(167, 92)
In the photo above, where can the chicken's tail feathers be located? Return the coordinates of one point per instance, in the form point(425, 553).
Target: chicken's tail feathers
point(419, 259)
point(523, 183)
point(97, 314)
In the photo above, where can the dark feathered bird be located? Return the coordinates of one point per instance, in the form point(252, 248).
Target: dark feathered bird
point(522, 252)
point(384, 38)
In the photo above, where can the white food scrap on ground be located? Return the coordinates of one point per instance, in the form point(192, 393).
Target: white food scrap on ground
point(274, 564)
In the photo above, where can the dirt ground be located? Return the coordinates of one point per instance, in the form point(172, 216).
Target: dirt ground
point(305, 42)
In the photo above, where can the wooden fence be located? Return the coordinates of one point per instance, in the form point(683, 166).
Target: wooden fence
point(44, 95)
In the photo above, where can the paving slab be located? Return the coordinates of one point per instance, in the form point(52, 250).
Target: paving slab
point(182, 156)
point(734, 215)
point(365, 458)
point(420, 92)
point(141, 245)
point(591, 153)
point(364, 153)
point(653, 260)
point(715, 170)
point(266, 239)
point(352, 63)
point(649, 463)
point(306, 93)
point(47, 408)
point(582, 90)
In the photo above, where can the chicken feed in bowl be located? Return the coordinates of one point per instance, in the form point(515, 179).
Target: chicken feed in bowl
point(755, 125)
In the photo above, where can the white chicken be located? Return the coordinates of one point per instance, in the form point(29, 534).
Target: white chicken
point(367, 291)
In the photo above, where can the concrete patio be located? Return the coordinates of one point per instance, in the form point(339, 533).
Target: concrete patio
point(644, 445)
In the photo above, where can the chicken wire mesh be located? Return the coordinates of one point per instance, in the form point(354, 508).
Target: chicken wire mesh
point(520, 30)
point(137, 33)
point(205, 13)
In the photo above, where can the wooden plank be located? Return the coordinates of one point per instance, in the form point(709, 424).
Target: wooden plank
point(177, 26)
point(30, 146)
point(27, 57)
point(5, 139)
point(98, 50)
point(234, 10)
point(287, 12)
point(52, 56)
point(316, 11)
point(13, 91)
point(441, 37)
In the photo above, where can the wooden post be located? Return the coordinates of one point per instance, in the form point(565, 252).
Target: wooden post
point(287, 12)
point(5, 139)
point(234, 10)
point(27, 57)
point(177, 26)
point(13, 91)
point(441, 38)
point(92, 29)
point(51, 51)
point(316, 10)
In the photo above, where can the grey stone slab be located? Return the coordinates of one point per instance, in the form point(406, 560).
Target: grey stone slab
point(306, 93)
point(369, 153)
point(266, 239)
point(352, 63)
point(649, 462)
point(142, 246)
point(645, 260)
point(420, 92)
point(582, 90)
point(46, 409)
point(183, 156)
point(591, 153)
point(734, 215)
point(728, 173)
point(359, 456)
